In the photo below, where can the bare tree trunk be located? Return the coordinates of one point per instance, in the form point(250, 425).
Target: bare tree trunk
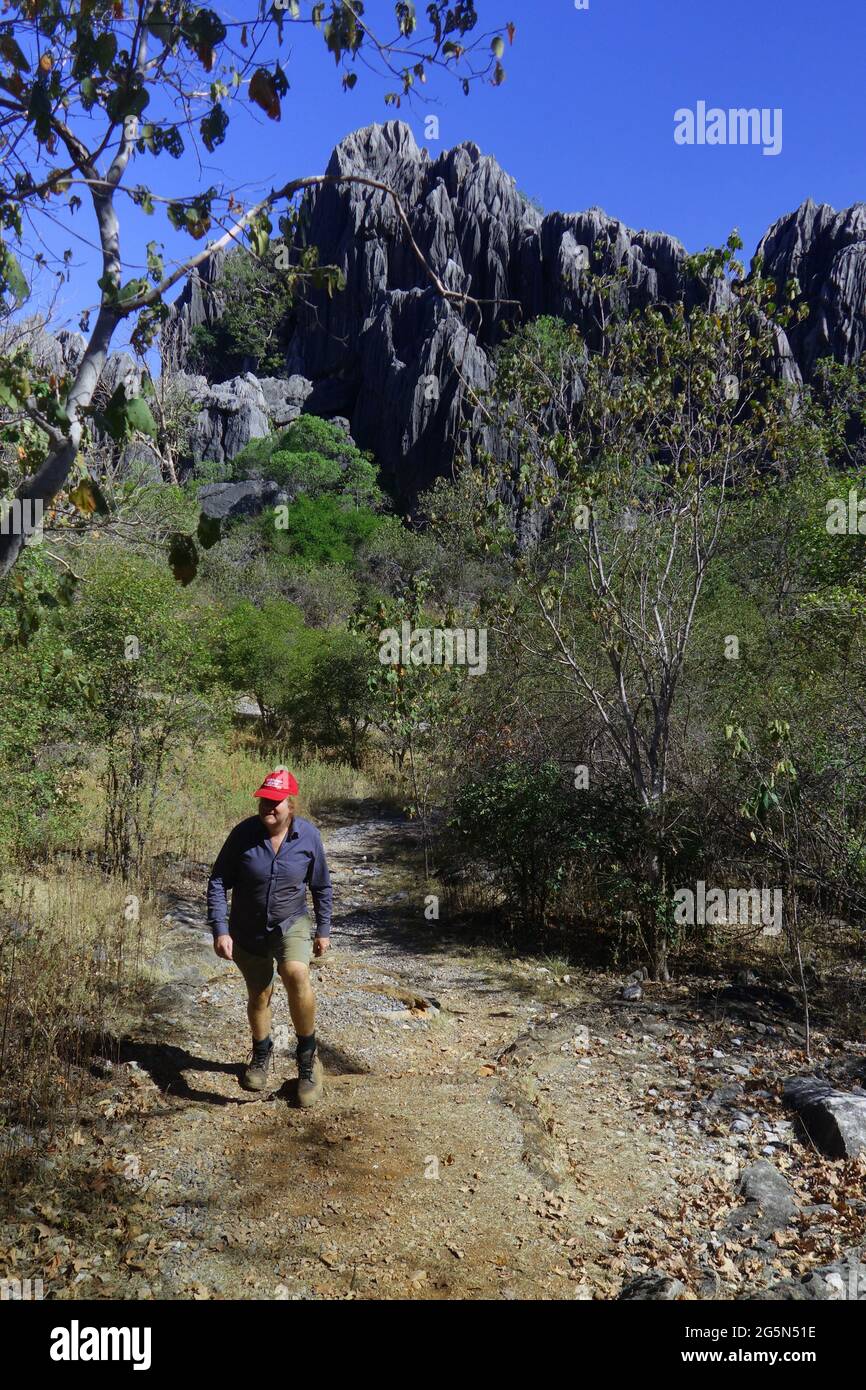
point(44, 485)
point(795, 947)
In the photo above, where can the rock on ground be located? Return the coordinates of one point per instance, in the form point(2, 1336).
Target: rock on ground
point(834, 1120)
point(770, 1204)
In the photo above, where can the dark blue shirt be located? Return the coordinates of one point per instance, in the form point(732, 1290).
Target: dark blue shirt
point(269, 891)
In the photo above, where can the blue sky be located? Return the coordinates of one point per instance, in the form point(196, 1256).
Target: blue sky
point(586, 116)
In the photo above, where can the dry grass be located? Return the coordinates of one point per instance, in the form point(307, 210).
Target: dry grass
point(73, 946)
point(207, 790)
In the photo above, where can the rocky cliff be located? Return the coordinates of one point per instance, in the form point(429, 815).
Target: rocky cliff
point(402, 364)
point(825, 251)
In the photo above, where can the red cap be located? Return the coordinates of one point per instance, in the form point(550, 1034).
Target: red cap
point(278, 785)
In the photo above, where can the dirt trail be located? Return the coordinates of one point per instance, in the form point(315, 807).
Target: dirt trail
point(488, 1130)
point(475, 1146)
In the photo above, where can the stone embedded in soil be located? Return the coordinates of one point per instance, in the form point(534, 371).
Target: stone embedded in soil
point(845, 1279)
point(724, 1096)
point(834, 1120)
point(652, 1287)
point(770, 1204)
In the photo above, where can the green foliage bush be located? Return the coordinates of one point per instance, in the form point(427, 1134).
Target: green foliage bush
point(310, 684)
point(553, 850)
point(314, 458)
point(40, 750)
point(212, 471)
point(145, 653)
point(251, 331)
point(323, 530)
point(255, 652)
point(329, 704)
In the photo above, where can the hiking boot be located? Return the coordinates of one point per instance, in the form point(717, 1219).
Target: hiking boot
point(255, 1077)
point(310, 1077)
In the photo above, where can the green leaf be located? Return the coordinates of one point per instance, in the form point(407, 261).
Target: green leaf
point(155, 263)
point(105, 50)
point(160, 25)
point(131, 290)
point(88, 498)
point(259, 234)
point(56, 413)
point(9, 396)
point(128, 99)
point(121, 416)
point(498, 46)
point(12, 277)
point(88, 93)
point(193, 219)
point(139, 417)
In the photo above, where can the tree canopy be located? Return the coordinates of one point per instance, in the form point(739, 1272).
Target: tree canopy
point(94, 93)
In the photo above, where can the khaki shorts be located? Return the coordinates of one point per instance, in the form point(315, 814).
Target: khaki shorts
point(295, 943)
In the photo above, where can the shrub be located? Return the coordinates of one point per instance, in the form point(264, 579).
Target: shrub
point(517, 819)
point(146, 653)
point(323, 530)
point(313, 457)
point(256, 651)
point(329, 703)
point(251, 331)
point(212, 471)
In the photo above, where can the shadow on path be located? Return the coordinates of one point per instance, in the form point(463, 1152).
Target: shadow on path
point(166, 1065)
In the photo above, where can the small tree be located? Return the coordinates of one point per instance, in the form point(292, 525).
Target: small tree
point(413, 702)
point(146, 657)
point(328, 702)
point(313, 458)
point(625, 459)
point(256, 300)
point(40, 712)
point(257, 651)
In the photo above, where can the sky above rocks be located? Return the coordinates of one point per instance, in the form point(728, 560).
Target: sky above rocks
point(586, 117)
